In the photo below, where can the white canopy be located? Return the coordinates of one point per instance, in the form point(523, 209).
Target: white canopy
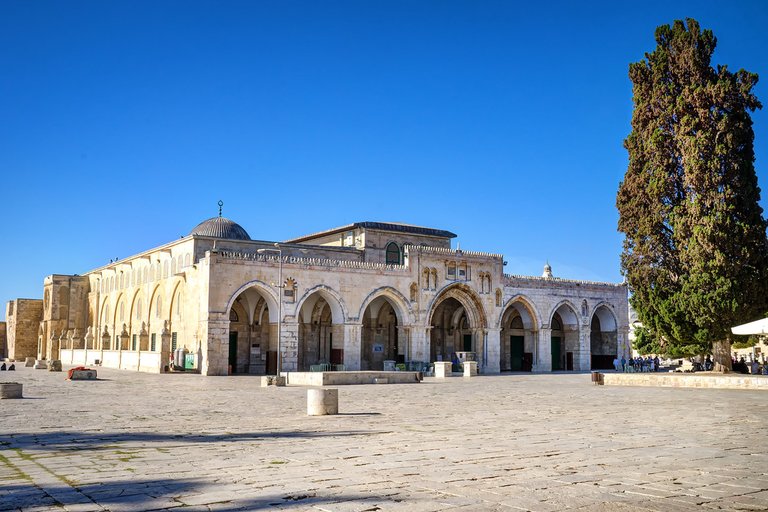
point(756, 327)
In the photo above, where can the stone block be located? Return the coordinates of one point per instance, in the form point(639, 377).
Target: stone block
point(83, 375)
point(322, 402)
point(470, 368)
point(272, 380)
point(10, 390)
point(41, 364)
point(29, 361)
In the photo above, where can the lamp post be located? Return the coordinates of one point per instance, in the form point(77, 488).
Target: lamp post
point(279, 287)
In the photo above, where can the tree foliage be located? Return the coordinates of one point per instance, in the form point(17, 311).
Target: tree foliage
point(695, 250)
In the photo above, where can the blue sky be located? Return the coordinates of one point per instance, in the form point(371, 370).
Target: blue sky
point(123, 123)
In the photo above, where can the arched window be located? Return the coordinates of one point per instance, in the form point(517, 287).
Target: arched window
point(233, 315)
point(393, 254)
point(138, 309)
point(158, 307)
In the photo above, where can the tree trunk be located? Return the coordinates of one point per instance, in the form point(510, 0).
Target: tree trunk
point(721, 354)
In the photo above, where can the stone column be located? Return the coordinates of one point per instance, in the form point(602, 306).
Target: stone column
point(622, 342)
point(125, 339)
point(53, 345)
point(143, 337)
point(543, 362)
point(352, 345)
point(493, 351)
point(216, 345)
point(419, 350)
point(165, 346)
point(289, 344)
point(403, 341)
point(77, 340)
point(582, 360)
point(88, 342)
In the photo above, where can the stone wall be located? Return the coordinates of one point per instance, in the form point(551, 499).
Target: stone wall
point(3, 341)
point(23, 318)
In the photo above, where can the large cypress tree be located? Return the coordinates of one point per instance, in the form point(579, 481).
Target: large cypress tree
point(695, 253)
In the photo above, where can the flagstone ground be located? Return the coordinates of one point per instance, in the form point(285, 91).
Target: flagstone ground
point(135, 441)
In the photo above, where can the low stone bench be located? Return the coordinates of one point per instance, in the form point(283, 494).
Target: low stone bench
point(381, 380)
point(10, 390)
point(322, 402)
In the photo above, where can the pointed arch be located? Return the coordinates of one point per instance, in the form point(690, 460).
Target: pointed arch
point(402, 308)
point(467, 297)
point(331, 296)
point(568, 312)
point(529, 307)
point(263, 290)
point(604, 312)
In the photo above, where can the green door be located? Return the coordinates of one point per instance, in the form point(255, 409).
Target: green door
point(467, 343)
point(556, 366)
point(516, 344)
point(233, 352)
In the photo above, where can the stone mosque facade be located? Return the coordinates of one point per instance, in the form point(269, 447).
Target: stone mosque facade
point(348, 298)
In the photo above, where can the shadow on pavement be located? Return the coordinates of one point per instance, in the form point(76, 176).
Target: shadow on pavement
point(83, 440)
point(167, 493)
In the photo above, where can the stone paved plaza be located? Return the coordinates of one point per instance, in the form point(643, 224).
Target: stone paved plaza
point(134, 441)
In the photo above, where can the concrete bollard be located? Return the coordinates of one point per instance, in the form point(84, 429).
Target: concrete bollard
point(30, 361)
point(55, 366)
point(322, 402)
point(41, 364)
point(443, 369)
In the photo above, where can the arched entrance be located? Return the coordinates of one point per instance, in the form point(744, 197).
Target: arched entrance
point(457, 324)
point(603, 339)
point(380, 335)
point(321, 332)
point(252, 339)
point(518, 338)
point(565, 338)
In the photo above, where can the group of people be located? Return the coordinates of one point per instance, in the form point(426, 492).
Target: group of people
point(754, 367)
point(636, 364)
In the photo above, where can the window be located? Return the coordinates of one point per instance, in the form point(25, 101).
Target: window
point(158, 307)
point(173, 342)
point(153, 342)
point(393, 254)
point(133, 342)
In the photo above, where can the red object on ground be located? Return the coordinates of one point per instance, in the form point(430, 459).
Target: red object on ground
point(75, 369)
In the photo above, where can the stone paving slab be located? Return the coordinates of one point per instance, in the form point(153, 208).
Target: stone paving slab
point(133, 441)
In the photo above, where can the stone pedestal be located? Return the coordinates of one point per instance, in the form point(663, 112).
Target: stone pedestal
point(470, 368)
point(55, 366)
point(30, 361)
point(443, 369)
point(322, 402)
point(40, 364)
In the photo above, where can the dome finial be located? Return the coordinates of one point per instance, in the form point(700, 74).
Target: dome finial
point(221, 203)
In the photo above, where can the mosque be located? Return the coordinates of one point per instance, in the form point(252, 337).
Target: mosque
point(356, 297)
